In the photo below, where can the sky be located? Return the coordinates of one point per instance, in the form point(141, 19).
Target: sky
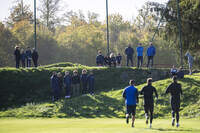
point(127, 8)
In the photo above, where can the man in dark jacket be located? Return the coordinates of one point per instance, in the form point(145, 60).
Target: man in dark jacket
point(100, 59)
point(67, 84)
point(148, 91)
point(129, 54)
point(55, 86)
point(17, 56)
point(151, 51)
point(35, 57)
point(91, 81)
point(175, 90)
point(28, 56)
point(84, 81)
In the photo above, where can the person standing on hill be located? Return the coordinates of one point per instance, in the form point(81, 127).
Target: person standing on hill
point(148, 91)
point(67, 84)
point(100, 59)
point(151, 51)
point(35, 57)
point(23, 58)
point(76, 83)
point(130, 94)
point(84, 81)
point(190, 61)
point(17, 56)
point(91, 80)
point(175, 90)
point(129, 55)
point(28, 56)
point(139, 55)
point(55, 86)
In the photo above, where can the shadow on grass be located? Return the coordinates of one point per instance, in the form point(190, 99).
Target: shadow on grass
point(174, 130)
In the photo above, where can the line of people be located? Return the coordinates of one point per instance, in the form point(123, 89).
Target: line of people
point(131, 94)
point(25, 57)
point(74, 84)
point(111, 60)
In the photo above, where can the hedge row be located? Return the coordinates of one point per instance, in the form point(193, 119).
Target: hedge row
point(20, 86)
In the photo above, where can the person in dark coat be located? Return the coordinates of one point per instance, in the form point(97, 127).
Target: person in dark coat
point(100, 59)
point(129, 54)
point(55, 86)
point(17, 56)
point(112, 60)
point(28, 56)
point(148, 91)
point(175, 90)
point(35, 57)
point(91, 80)
point(119, 59)
point(67, 84)
point(84, 81)
point(23, 58)
point(151, 51)
point(107, 61)
point(76, 83)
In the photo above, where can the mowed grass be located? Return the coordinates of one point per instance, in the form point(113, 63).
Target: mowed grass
point(111, 125)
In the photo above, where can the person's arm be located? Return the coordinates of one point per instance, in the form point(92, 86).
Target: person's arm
point(124, 93)
point(142, 91)
point(168, 89)
point(137, 98)
point(155, 91)
point(181, 90)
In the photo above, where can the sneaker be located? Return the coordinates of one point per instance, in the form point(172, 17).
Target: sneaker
point(150, 126)
point(67, 97)
point(177, 125)
point(127, 120)
point(173, 121)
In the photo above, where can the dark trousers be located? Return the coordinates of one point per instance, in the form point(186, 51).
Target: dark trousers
point(91, 88)
point(28, 61)
point(17, 63)
point(23, 63)
point(56, 94)
point(129, 58)
point(35, 63)
point(139, 61)
point(148, 108)
point(150, 59)
point(84, 88)
point(68, 90)
point(175, 110)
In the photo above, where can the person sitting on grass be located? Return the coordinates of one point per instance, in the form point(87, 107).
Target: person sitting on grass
point(130, 94)
point(76, 83)
point(91, 80)
point(84, 78)
point(148, 91)
point(119, 59)
point(175, 90)
point(67, 84)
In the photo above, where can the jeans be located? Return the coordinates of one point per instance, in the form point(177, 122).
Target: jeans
point(150, 59)
point(139, 61)
point(131, 59)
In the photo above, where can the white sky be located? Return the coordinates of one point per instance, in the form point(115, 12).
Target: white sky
point(127, 8)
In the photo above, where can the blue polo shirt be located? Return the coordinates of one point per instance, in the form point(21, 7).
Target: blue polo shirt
point(130, 94)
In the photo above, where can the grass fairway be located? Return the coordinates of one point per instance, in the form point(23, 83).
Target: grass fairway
point(94, 126)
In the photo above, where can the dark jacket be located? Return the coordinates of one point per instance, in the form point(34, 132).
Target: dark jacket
point(17, 54)
point(151, 51)
point(28, 54)
point(84, 79)
point(55, 82)
point(23, 56)
point(35, 55)
point(67, 80)
point(91, 80)
point(129, 51)
point(148, 91)
point(107, 60)
point(119, 58)
point(75, 79)
point(100, 59)
point(113, 60)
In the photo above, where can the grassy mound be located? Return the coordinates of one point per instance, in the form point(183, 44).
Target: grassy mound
point(111, 103)
point(62, 64)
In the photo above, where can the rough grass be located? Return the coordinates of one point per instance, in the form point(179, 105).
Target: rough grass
point(110, 104)
point(95, 126)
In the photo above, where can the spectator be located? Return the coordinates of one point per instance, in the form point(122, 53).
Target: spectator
point(139, 55)
point(107, 61)
point(67, 84)
point(60, 84)
point(151, 51)
point(100, 59)
point(17, 56)
point(76, 83)
point(35, 57)
point(180, 73)
point(112, 60)
point(173, 71)
point(129, 54)
point(28, 56)
point(119, 58)
point(55, 86)
point(23, 58)
point(84, 78)
point(190, 61)
point(91, 81)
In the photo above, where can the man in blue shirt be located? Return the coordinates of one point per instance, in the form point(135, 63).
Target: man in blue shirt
point(139, 55)
point(131, 99)
point(129, 55)
point(151, 51)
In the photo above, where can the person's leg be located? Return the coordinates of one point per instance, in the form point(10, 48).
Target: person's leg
point(151, 115)
point(138, 61)
point(127, 61)
point(133, 115)
point(173, 113)
point(151, 61)
point(141, 61)
point(148, 61)
point(146, 110)
point(131, 61)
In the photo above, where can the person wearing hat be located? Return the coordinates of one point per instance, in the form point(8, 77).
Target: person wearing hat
point(175, 90)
